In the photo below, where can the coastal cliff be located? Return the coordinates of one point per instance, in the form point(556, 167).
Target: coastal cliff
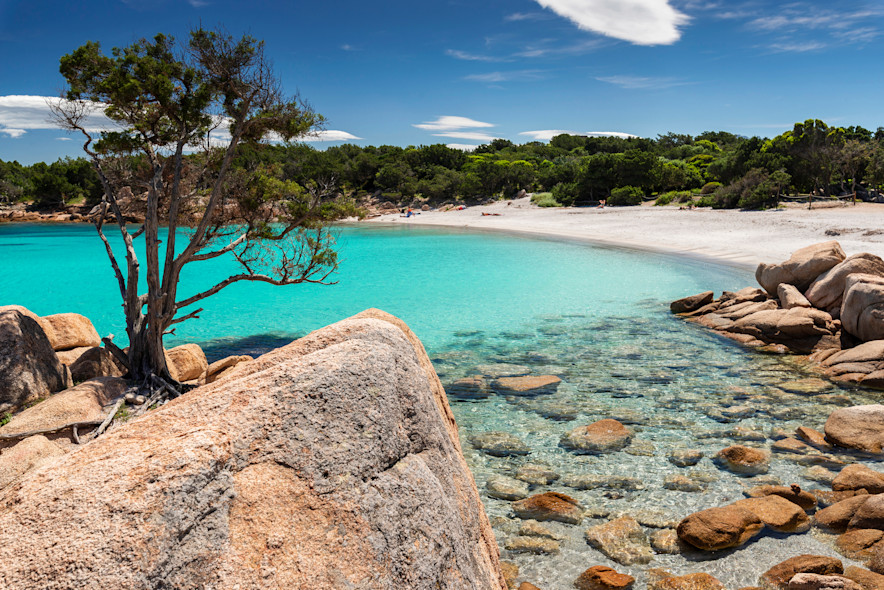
point(332, 462)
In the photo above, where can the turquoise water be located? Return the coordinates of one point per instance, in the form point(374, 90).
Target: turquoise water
point(595, 317)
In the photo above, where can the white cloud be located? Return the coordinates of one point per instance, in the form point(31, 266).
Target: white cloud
point(63, 139)
point(22, 113)
point(520, 16)
point(642, 22)
point(473, 136)
point(462, 146)
point(451, 123)
point(328, 135)
point(798, 47)
point(458, 54)
point(641, 82)
point(516, 76)
point(548, 134)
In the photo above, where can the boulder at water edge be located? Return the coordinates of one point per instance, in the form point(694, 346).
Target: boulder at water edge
point(714, 529)
point(96, 362)
point(857, 427)
point(330, 463)
point(779, 575)
point(804, 266)
point(29, 368)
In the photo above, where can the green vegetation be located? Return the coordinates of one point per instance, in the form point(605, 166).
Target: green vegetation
point(625, 195)
point(545, 200)
point(577, 170)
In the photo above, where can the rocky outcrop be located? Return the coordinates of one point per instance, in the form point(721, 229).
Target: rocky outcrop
point(790, 297)
point(29, 368)
point(859, 477)
point(837, 517)
point(827, 290)
point(802, 268)
point(69, 330)
point(187, 362)
point(692, 303)
point(332, 462)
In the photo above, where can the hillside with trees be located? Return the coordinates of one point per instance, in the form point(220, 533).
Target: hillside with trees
point(715, 168)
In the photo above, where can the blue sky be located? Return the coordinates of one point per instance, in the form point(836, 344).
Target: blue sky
point(462, 72)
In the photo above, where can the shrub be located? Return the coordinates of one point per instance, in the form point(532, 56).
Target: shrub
point(565, 193)
point(545, 200)
point(709, 188)
point(705, 201)
point(625, 195)
point(677, 196)
point(664, 199)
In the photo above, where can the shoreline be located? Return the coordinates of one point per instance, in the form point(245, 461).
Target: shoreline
point(740, 239)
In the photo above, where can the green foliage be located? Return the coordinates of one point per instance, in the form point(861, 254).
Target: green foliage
point(5, 418)
point(678, 196)
point(625, 195)
point(709, 188)
point(545, 200)
point(565, 193)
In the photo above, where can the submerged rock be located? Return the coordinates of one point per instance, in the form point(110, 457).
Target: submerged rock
point(622, 540)
point(604, 436)
point(859, 544)
point(499, 444)
point(779, 575)
point(818, 582)
point(536, 474)
point(793, 493)
point(700, 581)
point(602, 577)
point(549, 506)
point(743, 460)
point(714, 529)
point(536, 545)
point(527, 385)
point(665, 541)
point(506, 488)
point(235, 485)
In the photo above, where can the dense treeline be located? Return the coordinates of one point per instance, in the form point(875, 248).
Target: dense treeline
point(730, 170)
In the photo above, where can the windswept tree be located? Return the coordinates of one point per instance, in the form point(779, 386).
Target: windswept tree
point(183, 111)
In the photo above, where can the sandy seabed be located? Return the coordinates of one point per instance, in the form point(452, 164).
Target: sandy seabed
point(738, 238)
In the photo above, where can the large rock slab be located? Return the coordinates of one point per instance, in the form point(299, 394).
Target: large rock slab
point(526, 385)
point(69, 330)
point(790, 297)
point(862, 312)
point(714, 529)
point(827, 291)
point(324, 464)
point(222, 367)
point(692, 303)
point(29, 368)
point(838, 516)
point(859, 477)
point(777, 513)
point(549, 506)
point(86, 404)
point(804, 266)
point(28, 454)
point(857, 427)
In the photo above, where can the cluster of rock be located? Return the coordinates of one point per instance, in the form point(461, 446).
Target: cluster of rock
point(819, 302)
point(58, 384)
point(333, 462)
point(502, 379)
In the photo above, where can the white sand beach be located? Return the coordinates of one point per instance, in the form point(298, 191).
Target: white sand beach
point(738, 238)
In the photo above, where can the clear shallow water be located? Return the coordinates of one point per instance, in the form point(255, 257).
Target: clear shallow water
point(597, 318)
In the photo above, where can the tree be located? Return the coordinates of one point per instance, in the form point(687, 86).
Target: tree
point(170, 99)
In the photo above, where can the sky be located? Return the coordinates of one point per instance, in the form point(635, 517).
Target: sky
point(463, 72)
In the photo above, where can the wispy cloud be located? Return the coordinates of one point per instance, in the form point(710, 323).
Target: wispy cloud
point(801, 27)
point(798, 47)
point(451, 123)
point(198, 3)
point(457, 54)
point(513, 76)
point(12, 132)
point(522, 16)
point(348, 47)
point(547, 134)
point(642, 82)
point(470, 135)
point(641, 22)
